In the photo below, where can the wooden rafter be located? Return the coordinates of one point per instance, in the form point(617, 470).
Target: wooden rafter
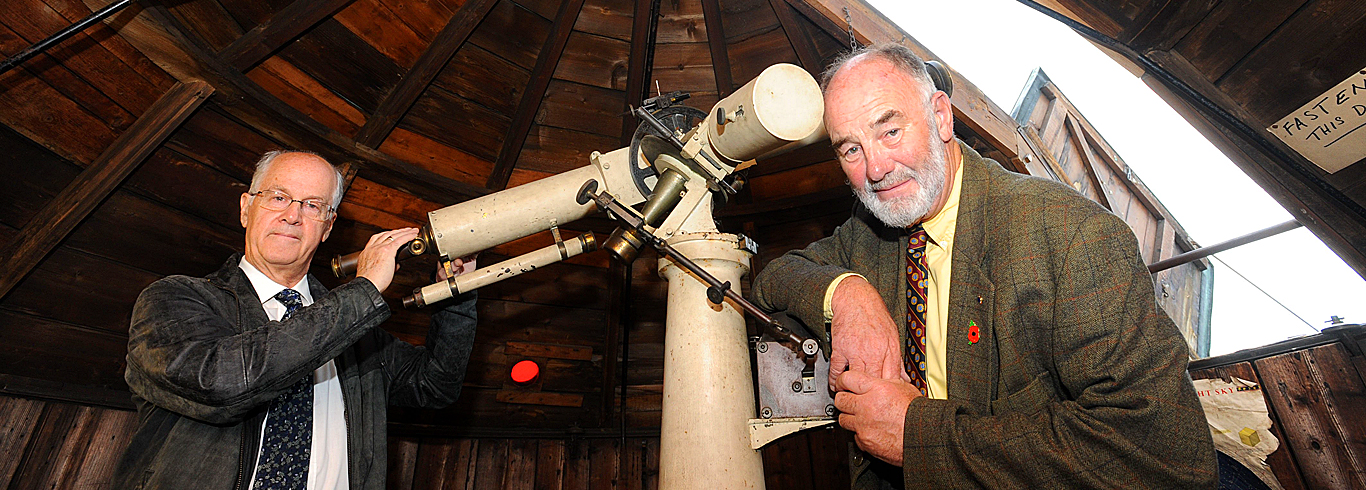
point(285, 26)
point(159, 35)
point(1088, 158)
point(801, 41)
point(643, 26)
point(427, 67)
point(971, 107)
point(541, 74)
point(716, 40)
point(60, 216)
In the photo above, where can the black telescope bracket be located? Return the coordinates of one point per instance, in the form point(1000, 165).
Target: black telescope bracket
point(717, 291)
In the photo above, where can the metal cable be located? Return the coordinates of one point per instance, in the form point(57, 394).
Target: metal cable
point(1263, 291)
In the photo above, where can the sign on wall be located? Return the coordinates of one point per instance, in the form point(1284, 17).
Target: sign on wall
point(1328, 129)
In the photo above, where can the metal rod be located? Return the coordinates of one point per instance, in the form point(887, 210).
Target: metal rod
point(776, 329)
point(1203, 252)
point(61, 35)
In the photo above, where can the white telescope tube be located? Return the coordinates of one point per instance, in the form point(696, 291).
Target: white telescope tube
point(507, 215)
point(781, 105)
point(508, 268)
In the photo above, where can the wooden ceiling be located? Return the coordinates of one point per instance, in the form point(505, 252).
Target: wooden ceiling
point(129, 143)
point(1256, 61)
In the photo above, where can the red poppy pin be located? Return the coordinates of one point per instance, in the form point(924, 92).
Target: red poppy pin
point(973, 332)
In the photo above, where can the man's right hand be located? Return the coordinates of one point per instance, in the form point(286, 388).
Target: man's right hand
point(377, 262)
point(863, 336)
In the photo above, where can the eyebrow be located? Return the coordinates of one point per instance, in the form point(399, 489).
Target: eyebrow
point(886, 116)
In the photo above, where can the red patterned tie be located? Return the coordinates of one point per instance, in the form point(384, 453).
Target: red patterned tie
point(917, 277)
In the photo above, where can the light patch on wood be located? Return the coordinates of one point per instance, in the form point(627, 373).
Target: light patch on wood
point(1327, 130)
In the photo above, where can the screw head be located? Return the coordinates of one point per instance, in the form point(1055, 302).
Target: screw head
point(763, 347)
point(766, 413)
point(830, 410)
point(797, 386)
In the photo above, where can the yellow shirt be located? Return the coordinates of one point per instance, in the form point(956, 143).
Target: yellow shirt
point(939, 259)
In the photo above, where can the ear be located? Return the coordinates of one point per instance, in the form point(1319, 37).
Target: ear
point(327, 231)
point(943, 114)
point(244, 205)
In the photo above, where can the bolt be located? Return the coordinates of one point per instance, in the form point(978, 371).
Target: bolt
point(763, 347)
point(797, 386)
point(766, 413)
point(829, 410)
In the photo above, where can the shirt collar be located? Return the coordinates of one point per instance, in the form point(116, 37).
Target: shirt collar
point(266, 289)
point(941, 226)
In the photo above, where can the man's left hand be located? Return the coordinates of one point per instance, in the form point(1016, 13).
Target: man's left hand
point(875, 409)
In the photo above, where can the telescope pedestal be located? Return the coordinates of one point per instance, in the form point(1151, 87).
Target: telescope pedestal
point(708, 384)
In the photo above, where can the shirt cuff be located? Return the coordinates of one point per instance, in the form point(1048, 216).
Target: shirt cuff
point(830, 293)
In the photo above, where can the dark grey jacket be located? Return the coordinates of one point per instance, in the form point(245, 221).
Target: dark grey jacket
point(204, 361)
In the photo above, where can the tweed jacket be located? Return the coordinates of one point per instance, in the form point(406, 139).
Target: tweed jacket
point(204, 363)
point(1076, 380)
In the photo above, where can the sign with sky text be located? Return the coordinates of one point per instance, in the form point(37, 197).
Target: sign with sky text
point(1328, 130)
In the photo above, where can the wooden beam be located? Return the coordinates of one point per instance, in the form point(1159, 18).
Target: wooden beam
point(716, 40)
point(618, 316)
point(971, 107)
point(541, 74)
point(641, 64)
point(161, 37)
point(801, 41)
point(1088, 158)
point(427, 67)
point(60, 216)
point(285, 26)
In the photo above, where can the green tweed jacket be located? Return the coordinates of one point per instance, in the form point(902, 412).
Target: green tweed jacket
point(1078, 380)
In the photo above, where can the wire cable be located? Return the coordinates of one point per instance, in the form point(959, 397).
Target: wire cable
point(1263, 291)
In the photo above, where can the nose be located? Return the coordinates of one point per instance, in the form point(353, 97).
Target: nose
point(292, 214)
point(877, 163)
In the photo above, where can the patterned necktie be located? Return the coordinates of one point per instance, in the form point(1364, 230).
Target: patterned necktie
point(917, 277)
point(288, 435)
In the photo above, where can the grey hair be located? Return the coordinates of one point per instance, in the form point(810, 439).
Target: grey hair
point(898, 55)
point(268, 159)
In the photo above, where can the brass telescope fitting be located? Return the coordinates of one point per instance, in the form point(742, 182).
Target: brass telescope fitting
point(344, 266)
point(624, 244)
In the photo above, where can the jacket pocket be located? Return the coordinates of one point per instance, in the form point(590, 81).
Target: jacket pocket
point(1033, 397)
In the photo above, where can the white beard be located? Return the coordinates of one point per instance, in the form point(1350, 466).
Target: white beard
point(904, 211)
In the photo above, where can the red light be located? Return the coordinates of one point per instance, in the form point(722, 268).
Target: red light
point(525, 372)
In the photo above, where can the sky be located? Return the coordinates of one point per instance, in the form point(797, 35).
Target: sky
point(997, 43)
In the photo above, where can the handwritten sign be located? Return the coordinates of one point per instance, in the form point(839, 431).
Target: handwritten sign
point(1328, 129)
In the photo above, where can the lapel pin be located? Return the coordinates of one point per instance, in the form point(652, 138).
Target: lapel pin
point(974, 334)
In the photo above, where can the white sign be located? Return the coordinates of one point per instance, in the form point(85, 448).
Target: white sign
point(1328, 130)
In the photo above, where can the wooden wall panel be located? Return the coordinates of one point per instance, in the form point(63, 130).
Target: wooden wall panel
point(444, 160)
point(1319, 393)
point(609, 18)
point(595, 60)
point(301, 91)
point(681, 21)
point(212, 24)
point(480, 75)
point(51, 444)
point(1282, 462)
point(752, 56)
point(508, 17)
point(583, 108)
point(554, 150)
point(455, 121)
point(344, 64)
point(742, 20)
point(373, 22)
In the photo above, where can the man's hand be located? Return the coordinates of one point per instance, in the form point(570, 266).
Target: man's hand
point(377, 262)
point(875, 409)
point(455, 267)
point(862, 334)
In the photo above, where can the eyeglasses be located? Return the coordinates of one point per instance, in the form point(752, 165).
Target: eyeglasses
point(314, 209)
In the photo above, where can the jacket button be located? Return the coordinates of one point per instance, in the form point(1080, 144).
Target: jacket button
point(858, 458)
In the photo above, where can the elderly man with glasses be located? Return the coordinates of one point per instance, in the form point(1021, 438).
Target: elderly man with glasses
point(259, 377)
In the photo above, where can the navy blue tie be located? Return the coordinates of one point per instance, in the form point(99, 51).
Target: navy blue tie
point(288, 435)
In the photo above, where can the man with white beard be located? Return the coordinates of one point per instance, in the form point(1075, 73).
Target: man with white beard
point(1023, 347)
